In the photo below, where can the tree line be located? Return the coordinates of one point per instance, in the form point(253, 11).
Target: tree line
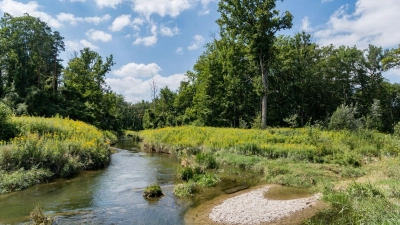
point(247, 76)
point(33, 80)
point(250, 77)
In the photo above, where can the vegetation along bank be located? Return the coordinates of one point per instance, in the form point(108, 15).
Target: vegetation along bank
point(356, 170)
point(40, 149)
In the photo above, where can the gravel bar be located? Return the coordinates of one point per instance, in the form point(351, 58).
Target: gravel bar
point(254, 208)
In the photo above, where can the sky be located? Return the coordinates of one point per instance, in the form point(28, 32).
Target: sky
point(162, 39)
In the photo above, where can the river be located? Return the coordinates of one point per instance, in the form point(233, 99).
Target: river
point(109, 196)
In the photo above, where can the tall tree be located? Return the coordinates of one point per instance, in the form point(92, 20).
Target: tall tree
point(254, 23)
point(85, 86)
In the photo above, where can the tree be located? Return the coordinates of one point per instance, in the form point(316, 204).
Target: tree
point(392, 59)
point(85, 88)
point(254, 23)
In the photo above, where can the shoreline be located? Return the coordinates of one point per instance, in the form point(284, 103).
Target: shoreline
point(251, 207)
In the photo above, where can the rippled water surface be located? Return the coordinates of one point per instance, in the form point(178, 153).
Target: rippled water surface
point(109, 196)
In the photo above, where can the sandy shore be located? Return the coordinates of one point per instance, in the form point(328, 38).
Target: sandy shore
point(251, 207)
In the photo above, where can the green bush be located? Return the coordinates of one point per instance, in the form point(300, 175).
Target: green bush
point(153, 191)
point(7, 129)
point(185, 190)
point(344, 118)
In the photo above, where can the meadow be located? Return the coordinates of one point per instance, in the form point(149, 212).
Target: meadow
point(357, 171)
point(48, 148)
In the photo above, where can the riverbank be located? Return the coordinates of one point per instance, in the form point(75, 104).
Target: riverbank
point(310, 157)
point(252, 206)
point(48, 148)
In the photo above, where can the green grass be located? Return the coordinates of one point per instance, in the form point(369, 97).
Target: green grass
point(153, 191)
point(358, 171)
point(50, 147)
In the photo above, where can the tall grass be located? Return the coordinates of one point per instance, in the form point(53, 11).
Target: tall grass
point(55, 147)
point(305, 144)
point(307, 157)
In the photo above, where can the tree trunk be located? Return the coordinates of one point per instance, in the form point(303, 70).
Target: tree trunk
point(264, 103)
point(55, 75)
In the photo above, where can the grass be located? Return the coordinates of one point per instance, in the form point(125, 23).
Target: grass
point(46, 148)
point(358, 171)
point(153, 191)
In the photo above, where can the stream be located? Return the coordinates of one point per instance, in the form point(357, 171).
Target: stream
point(109, 196)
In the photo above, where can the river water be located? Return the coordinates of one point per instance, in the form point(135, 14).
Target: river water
point(109, 196)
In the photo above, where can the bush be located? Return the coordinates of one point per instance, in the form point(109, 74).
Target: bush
point(185, 190)
point(39, 218)
point(153, 191)
point(7, 129)
point(344, 118)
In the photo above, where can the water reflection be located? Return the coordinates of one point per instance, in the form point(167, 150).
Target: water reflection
point(110, 196)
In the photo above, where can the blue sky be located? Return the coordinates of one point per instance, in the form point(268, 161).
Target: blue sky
point(162, 39)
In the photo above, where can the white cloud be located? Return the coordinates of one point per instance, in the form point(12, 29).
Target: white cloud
point(135, 90)
point(78, 0)
point(79, 45)
point(120, 22)
point(372, 22)
point(73, 20)
point(197, 42)
point(97, 35)
point(108, 3)
point(179, 50)
point(170, 32)
point(162, 7)
point(149, 40)
point(306, 25)
point(138, 70)
point(146, 41)
point(18, 9)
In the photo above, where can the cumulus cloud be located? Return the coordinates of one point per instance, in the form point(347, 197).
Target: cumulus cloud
point(179, 50)
point(171, 8)
point(161, 7)
point(135, 90)
point(149, 40)
point(198, 42)
point(108, 3)
point(97, 35)
point(73, 20)
point(306, 25)
point(79, 45)
point(138, 70)
point(120, 22)
point(167, 31)
point(372, 22)
point(18, 9)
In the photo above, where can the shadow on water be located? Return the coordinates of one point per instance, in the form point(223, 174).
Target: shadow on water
point(110, 196)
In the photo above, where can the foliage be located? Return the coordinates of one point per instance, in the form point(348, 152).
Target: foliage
point(21, 179)
point(52, 147)
point(185, 190)
point(254, 24)
point(39, 218)
point(358, 204)
point(153, 191)
point(344, 118)
point(7, 130)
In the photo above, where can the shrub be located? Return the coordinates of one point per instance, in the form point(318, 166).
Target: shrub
point(7, 129)
point(185, 190)
point(153, 191)
point(344, 118)
point(39, 218)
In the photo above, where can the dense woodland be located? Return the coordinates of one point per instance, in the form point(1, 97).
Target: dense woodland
point(249, 76)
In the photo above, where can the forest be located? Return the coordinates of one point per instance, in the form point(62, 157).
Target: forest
point(300, 81)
